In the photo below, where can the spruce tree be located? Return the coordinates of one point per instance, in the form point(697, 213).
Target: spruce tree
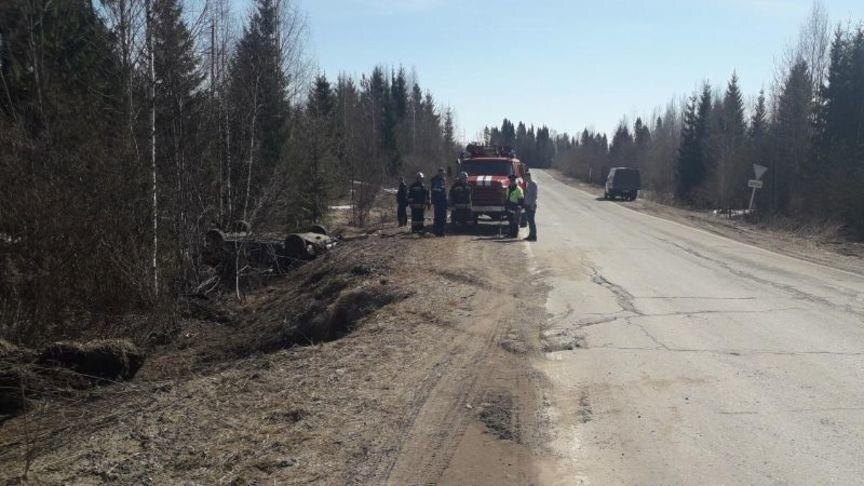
point(791, 134)
point(530, 147)
point(384, 119)
point(313, 155)
point(839, 141)
point(259, 104)
point(508, 133)
point(416, 107)
point(177, 103)
point(641, 133)
point(733, 110)
point(449, 133)
point(321, 99)
point(759, 119)
point(727, 147)
point(521, 140)
point(545, 149)
point(399, 94)
point(642, 142)
point(689, 170)
point(621, 149)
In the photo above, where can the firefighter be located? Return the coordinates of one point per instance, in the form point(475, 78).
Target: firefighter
point(402, 203)
point(418, 198)
point(460, 199)
point(513, 205)
point(531, 206)
point(439, 200)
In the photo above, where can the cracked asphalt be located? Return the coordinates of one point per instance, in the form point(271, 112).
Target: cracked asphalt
point(697, 359)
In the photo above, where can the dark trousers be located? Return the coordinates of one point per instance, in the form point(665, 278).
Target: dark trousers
point(460, 215)
point(440, 219)
point(514, 214)
point(417, 216)
point(532, 225)
point(402, 214)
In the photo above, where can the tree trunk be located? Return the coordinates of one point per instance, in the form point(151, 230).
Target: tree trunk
point(154, 186)
point(251, 150)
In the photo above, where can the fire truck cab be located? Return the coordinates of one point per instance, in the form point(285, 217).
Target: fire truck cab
point(488, 171)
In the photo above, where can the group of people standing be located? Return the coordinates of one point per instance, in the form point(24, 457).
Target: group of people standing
point(419, 199)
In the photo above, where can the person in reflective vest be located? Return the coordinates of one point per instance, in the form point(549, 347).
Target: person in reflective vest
point(439, 200)
point(418, 198)
point(402, 203)
point(460, 200)
point(513, 205)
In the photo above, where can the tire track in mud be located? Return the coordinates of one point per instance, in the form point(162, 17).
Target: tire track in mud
point(469, 371)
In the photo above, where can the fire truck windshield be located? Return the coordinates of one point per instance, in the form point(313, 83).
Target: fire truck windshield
point(488, 167)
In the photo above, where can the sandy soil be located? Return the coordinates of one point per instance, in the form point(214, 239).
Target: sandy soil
point(434, 387)
point(821, 245)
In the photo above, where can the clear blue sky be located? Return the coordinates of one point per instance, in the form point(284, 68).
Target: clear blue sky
point(568, 64)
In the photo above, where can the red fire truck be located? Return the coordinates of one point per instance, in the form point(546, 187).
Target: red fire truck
point(488, 170)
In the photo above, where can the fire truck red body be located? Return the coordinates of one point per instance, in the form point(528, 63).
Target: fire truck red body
point(488, 171)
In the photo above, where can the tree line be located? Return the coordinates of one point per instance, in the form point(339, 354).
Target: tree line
point(535, 147)
point(130, 127)
point(807, 129)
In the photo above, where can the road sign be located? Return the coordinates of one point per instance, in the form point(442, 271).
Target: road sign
point(759, 170)
point(755, 183)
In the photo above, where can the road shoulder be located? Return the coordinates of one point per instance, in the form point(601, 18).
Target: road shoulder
point(814, 245)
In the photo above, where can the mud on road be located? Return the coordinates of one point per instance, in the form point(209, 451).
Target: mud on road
point(434, 387)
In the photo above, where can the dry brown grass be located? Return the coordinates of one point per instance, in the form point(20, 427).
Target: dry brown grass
point(237, 401)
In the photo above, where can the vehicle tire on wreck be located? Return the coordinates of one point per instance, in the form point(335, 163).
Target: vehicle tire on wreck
point(319, 229)
point(113, 359)
point(295, 247)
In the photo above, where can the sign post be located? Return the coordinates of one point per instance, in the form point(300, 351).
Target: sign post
point(758, 171)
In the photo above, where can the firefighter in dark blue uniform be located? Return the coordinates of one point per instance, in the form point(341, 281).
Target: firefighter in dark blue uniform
point(439, 200)
point(418, 198)
point(460, 200)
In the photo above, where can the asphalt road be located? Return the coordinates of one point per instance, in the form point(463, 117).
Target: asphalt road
point(696, 359)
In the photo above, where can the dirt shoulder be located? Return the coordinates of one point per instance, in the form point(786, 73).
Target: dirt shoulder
point(822, 245)
point(430, 385)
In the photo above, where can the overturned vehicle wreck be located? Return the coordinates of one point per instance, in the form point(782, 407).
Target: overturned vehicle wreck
point(242, 254)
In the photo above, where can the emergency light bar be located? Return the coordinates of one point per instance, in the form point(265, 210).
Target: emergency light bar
point(476, 150)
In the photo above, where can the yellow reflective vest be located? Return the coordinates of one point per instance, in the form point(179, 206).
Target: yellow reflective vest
point(514, 194)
